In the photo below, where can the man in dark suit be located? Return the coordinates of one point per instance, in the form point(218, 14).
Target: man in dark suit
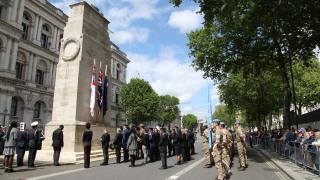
point(117, 143)
point(105, 139)
point(163, 143)
point(35, 138)
point(57, 144)
point(21, 146)
point(86, 139)
point(125, 134)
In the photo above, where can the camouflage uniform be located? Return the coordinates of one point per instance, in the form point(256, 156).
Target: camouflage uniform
point(205, 147)
point(219, 154)
point(242, 152)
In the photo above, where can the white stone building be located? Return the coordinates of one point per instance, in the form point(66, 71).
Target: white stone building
point(30, 34)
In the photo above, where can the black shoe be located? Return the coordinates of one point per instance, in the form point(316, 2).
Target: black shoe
point(163, 168)
point(6, 170)
point(103, 164)
point(11, 171)
point(241, 168)
point(57, 164)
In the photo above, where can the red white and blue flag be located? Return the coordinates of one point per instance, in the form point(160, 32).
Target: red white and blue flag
point(93, 89)
point(105, 91)
point(100, 89)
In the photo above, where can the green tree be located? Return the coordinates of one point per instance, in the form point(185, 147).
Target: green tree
point(255, 97)
point(224, 114)
point(168, 109)
point(189, 121)
point(139, 101)
point(307, 84)
point(247, 36)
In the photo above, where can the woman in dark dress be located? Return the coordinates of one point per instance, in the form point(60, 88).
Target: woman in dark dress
point(178, 145)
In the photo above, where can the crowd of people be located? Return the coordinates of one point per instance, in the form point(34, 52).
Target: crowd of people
point(153, 144)
point(129, 144)
point(18, 141)
point(302, 144)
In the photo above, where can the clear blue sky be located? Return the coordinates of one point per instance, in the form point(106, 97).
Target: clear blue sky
point(153, 35)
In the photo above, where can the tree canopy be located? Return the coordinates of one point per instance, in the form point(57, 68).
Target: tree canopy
point(249, 36)
point(224, 114)
point(189, 121)
point(139, 101)
point(168, 109)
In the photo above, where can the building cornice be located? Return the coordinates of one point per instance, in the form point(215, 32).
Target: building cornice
point(10, 30)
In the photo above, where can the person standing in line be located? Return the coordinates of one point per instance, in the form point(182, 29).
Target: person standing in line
point(117, 143)
point(178, 141)
point(132, 146)
point(145, 143)
point(241, 145)
point(173, 136)
point(125, 136)
point(87, 139)
point(10, 146)
point(163, 143)
point(21, 145)
point(35, 138)
point(170, 145)
point(105, 139)
point(57, 144)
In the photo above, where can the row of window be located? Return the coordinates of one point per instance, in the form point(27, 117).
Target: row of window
point(46, 32)
point(15, 104)
point(39, 73)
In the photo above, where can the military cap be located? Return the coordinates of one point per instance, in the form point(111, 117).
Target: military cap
point(221, 123)
point(216, 121)
point(35, 123)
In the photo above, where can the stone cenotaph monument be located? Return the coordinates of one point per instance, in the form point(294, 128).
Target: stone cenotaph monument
point(85, 38)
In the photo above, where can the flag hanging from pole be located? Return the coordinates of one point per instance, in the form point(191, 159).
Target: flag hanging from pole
point(99, 92)
point(93, 88)
point(105, 91)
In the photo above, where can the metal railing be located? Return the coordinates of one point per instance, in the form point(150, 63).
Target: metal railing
point(300, 154)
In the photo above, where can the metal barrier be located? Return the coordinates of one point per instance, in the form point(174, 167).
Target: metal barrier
point(297, 153)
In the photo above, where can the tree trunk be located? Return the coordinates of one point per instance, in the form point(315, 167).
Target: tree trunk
point(286, 92)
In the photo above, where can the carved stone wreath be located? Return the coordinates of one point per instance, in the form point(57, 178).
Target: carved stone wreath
point(70, 49)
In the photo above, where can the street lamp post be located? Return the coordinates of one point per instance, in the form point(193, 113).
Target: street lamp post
point(5, 113)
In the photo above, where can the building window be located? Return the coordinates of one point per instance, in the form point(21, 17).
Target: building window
point(39, 76)
point(118, 72)
point(44, 40)
point(60, 38)
point(19, 70)
point(26, 23)
point(14, 105)
point(36, 110)
point(117, 99)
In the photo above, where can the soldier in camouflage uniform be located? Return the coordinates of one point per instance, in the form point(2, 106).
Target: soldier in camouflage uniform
point(218, 150)
point(241, 146)
point(226, 161)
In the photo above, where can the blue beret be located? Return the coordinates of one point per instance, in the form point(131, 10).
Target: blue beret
point(237, 122)
point(216, 120)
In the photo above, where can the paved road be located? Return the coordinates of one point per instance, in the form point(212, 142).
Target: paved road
point(259, 168)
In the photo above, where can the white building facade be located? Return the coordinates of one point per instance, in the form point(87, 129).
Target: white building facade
point(30, 33)
point(30, 40)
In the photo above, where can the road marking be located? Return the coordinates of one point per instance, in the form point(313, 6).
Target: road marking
point(56, 174)
point(185, 170)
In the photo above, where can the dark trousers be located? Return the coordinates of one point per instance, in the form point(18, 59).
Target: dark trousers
point(87, 152)
point(152, 153)
point(133, 160)
point(169, 149)
point(56, 155)
point(32, 156)
point(163, 155)
point(125, 154)
point(105, 149)
point(118, 154)
point(20, 154)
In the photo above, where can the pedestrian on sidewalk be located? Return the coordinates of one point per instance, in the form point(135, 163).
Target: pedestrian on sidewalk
point(87, 139)
point(132, 145)
point(145, 143)
point(2, 134)
point(117, 144)
point(10, 146)
point(57, 144)
point(105, 139)
point(21, 144)
point(163, 143)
